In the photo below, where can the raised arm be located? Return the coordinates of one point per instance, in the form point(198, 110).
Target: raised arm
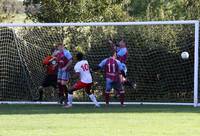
point(69, 57)
point(112, 45)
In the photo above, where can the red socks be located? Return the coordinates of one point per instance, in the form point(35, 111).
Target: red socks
point(122, 96)
point(61, 91)
point(107, 97)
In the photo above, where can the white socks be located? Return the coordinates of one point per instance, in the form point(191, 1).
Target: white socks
point(70, 99)
point(93, 99)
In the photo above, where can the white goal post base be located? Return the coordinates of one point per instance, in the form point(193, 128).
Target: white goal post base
point(90, 103)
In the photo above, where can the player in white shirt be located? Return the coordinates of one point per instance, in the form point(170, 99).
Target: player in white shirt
point(83, 71)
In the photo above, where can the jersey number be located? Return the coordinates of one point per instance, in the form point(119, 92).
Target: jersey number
point(111, 67)
point(85, 67)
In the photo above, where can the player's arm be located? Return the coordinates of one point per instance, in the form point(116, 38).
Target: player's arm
point(76, 74)
point(52, 59)
point(100, 65)
point(69, 57)
point(121, 69)
point(46, 61)
point(77, 71)
point(123, 73)
point(122, 52)
point(53, 62)
point(113, 45)
point(69, 64)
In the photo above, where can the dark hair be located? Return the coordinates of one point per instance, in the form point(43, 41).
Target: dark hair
point(79, 56)
point(123, 40)
point(60, 44)
point(117, 44)
point(53, 49)
point(112, 52)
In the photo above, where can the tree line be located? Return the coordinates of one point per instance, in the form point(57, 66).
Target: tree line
point(101, 11)
point(111, 10)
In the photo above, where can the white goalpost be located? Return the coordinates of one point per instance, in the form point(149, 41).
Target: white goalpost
point(154, 59)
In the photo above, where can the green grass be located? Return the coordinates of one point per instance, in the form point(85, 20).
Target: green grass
point(84, 120)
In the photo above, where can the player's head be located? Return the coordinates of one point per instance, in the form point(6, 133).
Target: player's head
point(113, 54)
point(79, 56)
point(60, 46)
point(54, 51)
point(122, 43)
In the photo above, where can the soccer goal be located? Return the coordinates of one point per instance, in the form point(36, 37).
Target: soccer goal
point(158, 71)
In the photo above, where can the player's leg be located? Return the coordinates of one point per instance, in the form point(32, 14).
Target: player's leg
point(108, 89)
point(63, 78)
point(46, 82)
point(40, 89)
point(122, 97)
point(60, 89)
point(78, 85)
point(69, 100)
point(119, 87)
point(125, 81)
point(91, 95)
point(123, 78)
point(54, 81)
point(64, 82)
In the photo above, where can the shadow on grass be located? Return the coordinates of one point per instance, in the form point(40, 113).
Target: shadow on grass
point(78, 109)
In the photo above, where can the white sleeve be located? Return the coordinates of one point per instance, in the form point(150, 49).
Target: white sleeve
point(77, 68)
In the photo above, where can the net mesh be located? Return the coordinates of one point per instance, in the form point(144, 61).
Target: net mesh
point(154, 60)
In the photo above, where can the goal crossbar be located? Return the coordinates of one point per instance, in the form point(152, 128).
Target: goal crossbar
point(99, 23)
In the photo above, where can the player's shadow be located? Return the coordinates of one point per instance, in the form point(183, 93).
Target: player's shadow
point(89, 109)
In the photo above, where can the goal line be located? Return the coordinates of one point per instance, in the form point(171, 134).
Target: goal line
point(90, 103)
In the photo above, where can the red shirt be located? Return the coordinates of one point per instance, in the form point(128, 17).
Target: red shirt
point(50, 68)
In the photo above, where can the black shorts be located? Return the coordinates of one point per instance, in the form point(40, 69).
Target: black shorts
point(50, 80)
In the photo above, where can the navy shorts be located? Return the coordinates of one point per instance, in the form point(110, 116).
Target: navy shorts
point(113, 84)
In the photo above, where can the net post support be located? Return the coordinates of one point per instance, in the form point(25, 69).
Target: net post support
point(196, 63)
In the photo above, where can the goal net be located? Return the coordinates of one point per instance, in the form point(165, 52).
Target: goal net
point(158, 72)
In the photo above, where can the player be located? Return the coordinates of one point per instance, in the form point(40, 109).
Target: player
point(51, 73)
point(113, 69)
point(64, 59)
point(122, 54)
point(122, 51)
point(83, 71)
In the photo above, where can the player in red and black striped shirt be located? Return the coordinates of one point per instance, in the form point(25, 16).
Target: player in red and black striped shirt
point(50, 79)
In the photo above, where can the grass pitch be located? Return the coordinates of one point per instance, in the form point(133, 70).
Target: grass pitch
point(85, 120)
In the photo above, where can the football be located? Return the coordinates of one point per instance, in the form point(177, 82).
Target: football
point(184, 55)
point(53, 62)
